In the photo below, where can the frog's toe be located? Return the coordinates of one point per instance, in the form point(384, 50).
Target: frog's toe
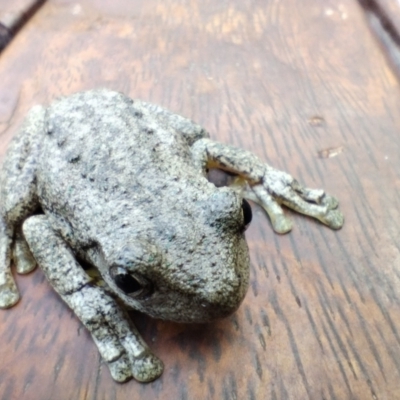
point(281, 223)
point(24, 265)
point(9, 294)
point(23, 258)
point(333, 218)
point(330, 202)
point(121, 369)
point(147, 367)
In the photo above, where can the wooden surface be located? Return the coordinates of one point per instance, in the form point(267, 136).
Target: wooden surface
point(13, 15)
point(305, 86)
point(15, 12)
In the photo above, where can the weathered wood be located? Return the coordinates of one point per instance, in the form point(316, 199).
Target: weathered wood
point(13, 14)
point(304, 86)
point(383, 17)
point(387, 12)
point(5, 36)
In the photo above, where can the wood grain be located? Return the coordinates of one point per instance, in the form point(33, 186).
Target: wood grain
point(290, 81)
point(13, 14)
point(383, 18)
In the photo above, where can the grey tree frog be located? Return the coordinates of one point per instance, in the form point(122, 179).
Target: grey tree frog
point(121, 185)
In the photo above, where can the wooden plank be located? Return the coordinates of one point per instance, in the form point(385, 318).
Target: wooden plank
point(13, 14)
point(387, 11)
point(304, 86)
point(383, 17)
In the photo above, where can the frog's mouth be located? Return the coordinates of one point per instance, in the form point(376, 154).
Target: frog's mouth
point(205, 305)
point(193, 310)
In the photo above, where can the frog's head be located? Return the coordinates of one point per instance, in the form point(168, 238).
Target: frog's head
point(195, 268)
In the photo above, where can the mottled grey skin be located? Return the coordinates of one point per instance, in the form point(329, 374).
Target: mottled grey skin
point(121, 184)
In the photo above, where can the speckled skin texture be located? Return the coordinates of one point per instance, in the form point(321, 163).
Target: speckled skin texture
point(121, 185)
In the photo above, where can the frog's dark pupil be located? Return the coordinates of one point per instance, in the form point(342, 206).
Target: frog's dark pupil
point(127, 283)
point(247, 214)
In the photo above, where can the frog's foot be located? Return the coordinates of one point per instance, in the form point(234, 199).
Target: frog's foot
point(22, 256)
point(145, 368)
point(127, 358)
point(24, 261)
point(118, 341)
point(280, 188)
point(120, 369)
point(267, 186)
point(9, 294)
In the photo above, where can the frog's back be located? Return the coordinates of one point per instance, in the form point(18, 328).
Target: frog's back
point(103, 135)
point(103, 149)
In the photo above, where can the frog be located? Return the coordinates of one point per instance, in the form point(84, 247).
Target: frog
point(120, 185)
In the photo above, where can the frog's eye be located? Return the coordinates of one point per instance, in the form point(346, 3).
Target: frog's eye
point(130, 284)
point(247, 214)
point(127, 283)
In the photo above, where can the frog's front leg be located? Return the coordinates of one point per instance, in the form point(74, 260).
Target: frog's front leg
point(18, 200)
point(267, 186)
point(9, 294)
point(117, 339)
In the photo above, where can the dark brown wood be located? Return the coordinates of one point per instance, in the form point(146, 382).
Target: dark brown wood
point(304, 86)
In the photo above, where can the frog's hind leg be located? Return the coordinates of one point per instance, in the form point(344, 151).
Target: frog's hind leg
point(18, 201)
point(267, 186)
